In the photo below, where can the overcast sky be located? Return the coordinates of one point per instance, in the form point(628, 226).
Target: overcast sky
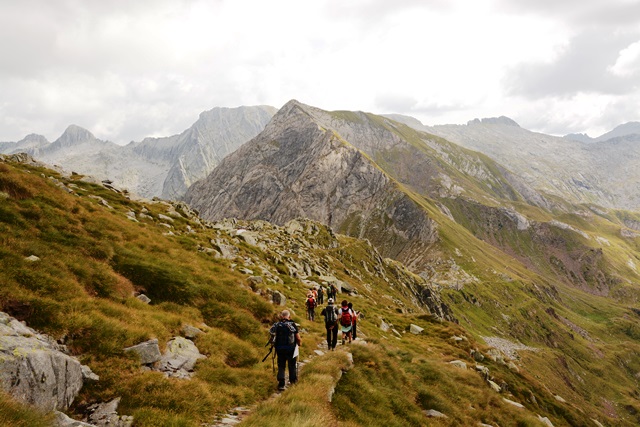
point(130, 69)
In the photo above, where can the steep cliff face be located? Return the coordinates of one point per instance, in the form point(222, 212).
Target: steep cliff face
point(194, 153)
point(297, 168)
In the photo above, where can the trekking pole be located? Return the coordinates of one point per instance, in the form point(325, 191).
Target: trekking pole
point(270, 351)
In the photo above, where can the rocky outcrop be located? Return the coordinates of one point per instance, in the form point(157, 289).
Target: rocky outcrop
point(35, 369)
point(178, 360)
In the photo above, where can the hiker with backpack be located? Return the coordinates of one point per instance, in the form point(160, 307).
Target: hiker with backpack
point(345, 317)
point(333, 291)
point(320, 294)
point(311, 307)
point(286, 340)
point(330, 313)
point(356, 314)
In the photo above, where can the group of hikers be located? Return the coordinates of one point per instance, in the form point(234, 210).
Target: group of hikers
point(285, 336)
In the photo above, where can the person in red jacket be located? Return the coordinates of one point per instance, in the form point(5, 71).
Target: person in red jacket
point(345, 318)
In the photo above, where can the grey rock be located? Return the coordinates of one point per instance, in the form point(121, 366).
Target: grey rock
point(546, 421)
point(32, 258)
point(148, 351)
point(63, 420)
point(511, 402)
point(145, 299)
point(88, 375)
point(106, 415)
point(458, 363)
point(34, 370)
point(165, 218)
point(415, 329)
point(180, 358)
point(191, 332)
point(384, 326)
point(432, 413)
point(495, 387)
point(278, 298)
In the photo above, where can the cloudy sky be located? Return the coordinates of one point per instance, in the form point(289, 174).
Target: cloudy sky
point(130, 69)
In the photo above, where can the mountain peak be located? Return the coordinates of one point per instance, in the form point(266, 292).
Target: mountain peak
point(33, 138)
point(625, 129)
point(73, 135)
point(502, 120)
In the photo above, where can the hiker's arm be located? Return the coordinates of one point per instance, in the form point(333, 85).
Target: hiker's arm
point(298, 340)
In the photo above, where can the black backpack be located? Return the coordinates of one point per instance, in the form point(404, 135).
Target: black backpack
point(330, 315)
point(284, 335)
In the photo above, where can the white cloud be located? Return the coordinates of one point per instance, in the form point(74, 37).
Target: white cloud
point(126, 70)
point(628, 62)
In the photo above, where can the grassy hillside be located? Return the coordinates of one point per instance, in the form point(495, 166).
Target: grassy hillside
point(97, 249)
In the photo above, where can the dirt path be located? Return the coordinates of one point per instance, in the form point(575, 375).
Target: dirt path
point(238, 414)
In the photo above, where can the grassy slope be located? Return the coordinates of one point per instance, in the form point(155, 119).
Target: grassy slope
point(93, 259)
point(534, 300)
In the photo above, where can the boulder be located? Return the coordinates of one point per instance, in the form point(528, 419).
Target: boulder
point(278, 298)
point(106, 415)
point(148, 351)
point(347, 288)
point(384, 326)
point(415, 329)
point(191, 332)
point(459, 363)
point(34, 370)
point(145, 299)
point(180, 358)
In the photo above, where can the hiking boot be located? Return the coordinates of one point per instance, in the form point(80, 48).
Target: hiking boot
point(281, 386)
point(342, 342)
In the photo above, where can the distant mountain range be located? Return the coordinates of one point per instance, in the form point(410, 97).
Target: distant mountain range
point(162, 167)
point(579, 169)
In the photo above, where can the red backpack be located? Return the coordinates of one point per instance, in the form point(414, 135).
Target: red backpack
point(311, 303)
point(347, 317)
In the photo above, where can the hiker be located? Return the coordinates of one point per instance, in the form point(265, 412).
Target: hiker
point(333, 291)
point(320, 294)
point(330, 313)
point(311, 307)
point(314, 291)
point(354, 330)
point(286, 338)
point(346, 321)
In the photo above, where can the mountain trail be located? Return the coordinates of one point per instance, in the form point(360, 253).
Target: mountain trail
point(238, 414)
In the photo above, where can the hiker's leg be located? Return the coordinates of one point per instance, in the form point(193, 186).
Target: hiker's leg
point(354, 330)
point(293, 368)
point(329, 338)
point(334, 337)
point(282, 362)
